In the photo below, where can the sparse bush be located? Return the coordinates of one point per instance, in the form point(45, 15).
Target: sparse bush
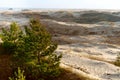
point(32, 50)
point(117, 62)
point(19, 75)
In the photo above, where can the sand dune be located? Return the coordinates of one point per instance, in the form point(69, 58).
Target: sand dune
point(89, 47)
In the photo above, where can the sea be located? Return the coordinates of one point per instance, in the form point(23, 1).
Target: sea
point(27, 9)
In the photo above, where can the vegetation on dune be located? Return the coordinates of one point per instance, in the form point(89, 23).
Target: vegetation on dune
point(32, 50)
point(10, 38)
point(29, 54)
point(19, 75)
point(117, 62)
point(93, 17)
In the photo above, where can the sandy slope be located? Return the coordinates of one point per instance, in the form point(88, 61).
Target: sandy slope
point(79, 58)
point(88, 52)
point(95, 68)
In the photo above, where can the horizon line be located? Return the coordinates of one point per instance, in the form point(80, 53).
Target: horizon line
point(59, 8)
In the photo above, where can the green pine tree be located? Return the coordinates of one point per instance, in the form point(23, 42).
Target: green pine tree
point(32, 50)
point(10, 37)
point(41, 45)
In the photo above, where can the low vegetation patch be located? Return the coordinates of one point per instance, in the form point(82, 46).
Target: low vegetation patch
point(117, 62)
point(32, 50)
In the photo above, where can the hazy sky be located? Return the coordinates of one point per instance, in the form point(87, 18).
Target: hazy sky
point(88, 4)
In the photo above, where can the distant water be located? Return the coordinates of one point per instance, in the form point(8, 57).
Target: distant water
point(25, 9)
point(14, 9)
point(19, 9)
point(56, 9)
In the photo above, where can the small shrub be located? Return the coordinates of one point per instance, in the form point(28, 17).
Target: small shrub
point(117, 62)
point(19, 75)
point(32, 50)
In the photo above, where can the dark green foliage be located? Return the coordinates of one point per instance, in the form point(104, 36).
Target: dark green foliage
point(40, 44)
point(11, 37)
point(32, 50)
